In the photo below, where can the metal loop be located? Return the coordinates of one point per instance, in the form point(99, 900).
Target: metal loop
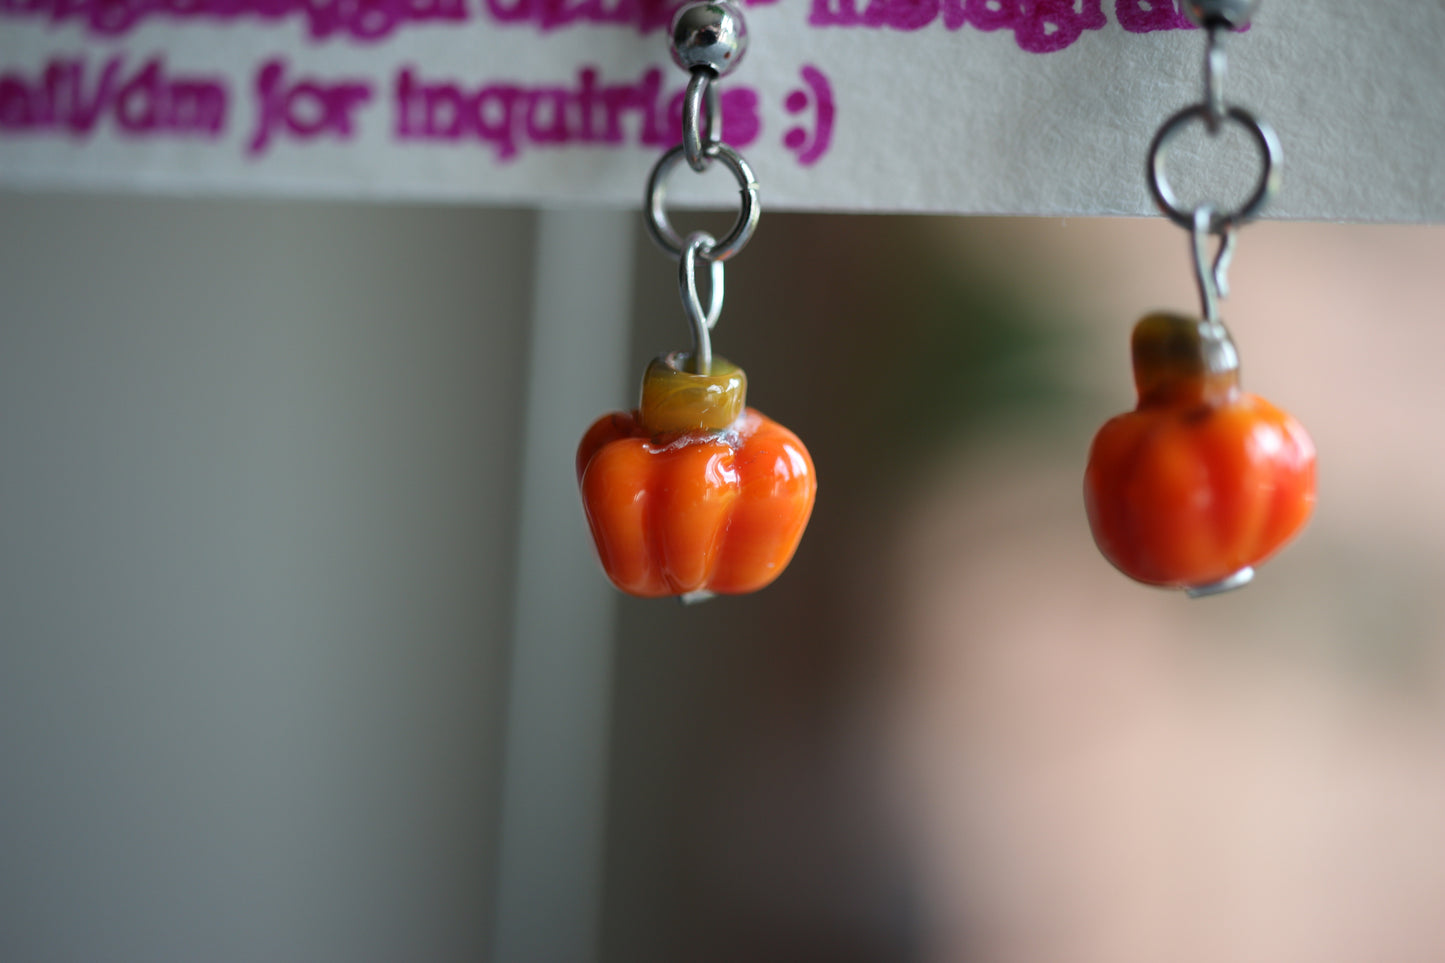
point(1213, 279)
point(661, 229)
point(702, 93)
point(1168, 201)
point(701, 321)
point(1216, 67)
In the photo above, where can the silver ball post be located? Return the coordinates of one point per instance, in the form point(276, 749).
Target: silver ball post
point(711, 35)
point(1232, 14)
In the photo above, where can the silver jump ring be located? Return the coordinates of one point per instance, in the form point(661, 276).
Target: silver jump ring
point(1168, 201)
point(661, 229)
point(701, 92)
point(701, 321)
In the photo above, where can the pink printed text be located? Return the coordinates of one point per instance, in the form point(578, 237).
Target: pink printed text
point(365, 20)
point(1038, 26)
point(73, 96)
point(644, 15)
point(509, 116)
point(304, 108)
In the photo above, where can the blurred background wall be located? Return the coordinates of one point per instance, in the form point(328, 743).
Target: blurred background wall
point(257, 477)
point(258, 537)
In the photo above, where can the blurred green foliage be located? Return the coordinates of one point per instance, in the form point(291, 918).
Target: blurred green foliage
point(975, 357)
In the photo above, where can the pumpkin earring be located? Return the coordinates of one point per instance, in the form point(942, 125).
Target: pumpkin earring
point(1201, 482)
point(693, 493)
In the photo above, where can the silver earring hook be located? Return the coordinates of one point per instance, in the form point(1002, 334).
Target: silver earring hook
point(702, 94)
point(1216, 67)
point(700, 320)
point(1212, 276)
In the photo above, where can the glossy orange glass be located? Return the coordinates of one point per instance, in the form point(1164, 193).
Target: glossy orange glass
point(1201, 480)
point(676, 512)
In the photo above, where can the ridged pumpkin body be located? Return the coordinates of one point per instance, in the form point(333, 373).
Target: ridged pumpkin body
point(721, 511)
point(1202, 481)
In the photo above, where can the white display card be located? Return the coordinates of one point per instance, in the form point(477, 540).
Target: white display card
point(960, 106)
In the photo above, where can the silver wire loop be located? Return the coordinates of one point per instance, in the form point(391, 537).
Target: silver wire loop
point(660, 228)
point(702, 93)
point(1213, 279)
point(1216, 66)
point(701, 321)
point(1163, 192)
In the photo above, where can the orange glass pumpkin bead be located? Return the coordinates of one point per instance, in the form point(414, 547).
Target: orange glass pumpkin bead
point(1201, 482)
point(694, 492)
